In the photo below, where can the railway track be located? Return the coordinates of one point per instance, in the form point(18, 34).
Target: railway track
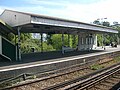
point(112, 82)
point(61, 73)
point(103, 79)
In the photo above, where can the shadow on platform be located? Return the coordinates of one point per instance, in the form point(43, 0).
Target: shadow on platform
point(43, 56)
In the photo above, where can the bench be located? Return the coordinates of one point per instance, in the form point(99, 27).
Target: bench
point(67, 49)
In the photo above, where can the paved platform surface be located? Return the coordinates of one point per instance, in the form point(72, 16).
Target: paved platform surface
point(36, 59)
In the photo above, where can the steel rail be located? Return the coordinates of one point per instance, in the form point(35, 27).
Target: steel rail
point(56, 75)
point(44, 78)
point(91, 81)
point(40, 74)
point(83, 79)
point(26, 76)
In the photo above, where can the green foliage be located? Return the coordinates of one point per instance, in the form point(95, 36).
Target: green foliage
point(99, 39)
point(74, 42)
point(106, 23)
point(97, 22)
point(36, 44)
point(48, 38)
point(57, 41)
point(117, 58)
point(27, 45)
point(25, 36)
point(47, 47)
point(118, 28)
point(52, 42)
point(108, 37)
point(11, 37)
point(96, 67)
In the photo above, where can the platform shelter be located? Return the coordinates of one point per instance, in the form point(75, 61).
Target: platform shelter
point(23, 22)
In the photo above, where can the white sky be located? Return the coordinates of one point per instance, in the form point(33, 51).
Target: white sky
point(84, 12)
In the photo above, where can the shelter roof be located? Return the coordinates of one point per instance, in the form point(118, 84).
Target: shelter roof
point(35, 23)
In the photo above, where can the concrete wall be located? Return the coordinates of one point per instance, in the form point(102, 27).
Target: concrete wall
point(87, 41)
point(14, 18)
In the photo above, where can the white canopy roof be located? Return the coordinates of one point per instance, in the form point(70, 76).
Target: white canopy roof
point(33, 23)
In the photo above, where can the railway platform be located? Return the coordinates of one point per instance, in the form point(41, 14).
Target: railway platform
point(53, 61)
point(36, 59)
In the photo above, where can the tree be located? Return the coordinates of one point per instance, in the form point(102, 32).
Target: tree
point(47, 47)
point(108, 37)
point(97, 22)
point(57, 41)
point(48, 38)
point(117, 27)
point(106, 23)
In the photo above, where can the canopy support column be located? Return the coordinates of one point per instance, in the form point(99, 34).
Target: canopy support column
point(73, 41)
point(19, 43)
point(41, 42)
point(69, 40)
point(77, 43)
point(62, 43)
point(16, 48)
point(118, 40)
point(103, 41)
point(15, 40)
point(88, 42)
point(95, 41)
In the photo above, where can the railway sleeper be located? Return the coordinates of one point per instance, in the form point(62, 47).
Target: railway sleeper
point(106, 84)
point(100, 88)
point(110, 81)
point(115, 79)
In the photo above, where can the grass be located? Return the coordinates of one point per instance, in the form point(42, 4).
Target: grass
point(96, 67)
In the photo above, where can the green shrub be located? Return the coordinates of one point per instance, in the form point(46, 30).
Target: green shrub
point(96, 67)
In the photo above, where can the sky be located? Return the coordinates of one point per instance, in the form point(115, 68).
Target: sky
point(79, 10)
